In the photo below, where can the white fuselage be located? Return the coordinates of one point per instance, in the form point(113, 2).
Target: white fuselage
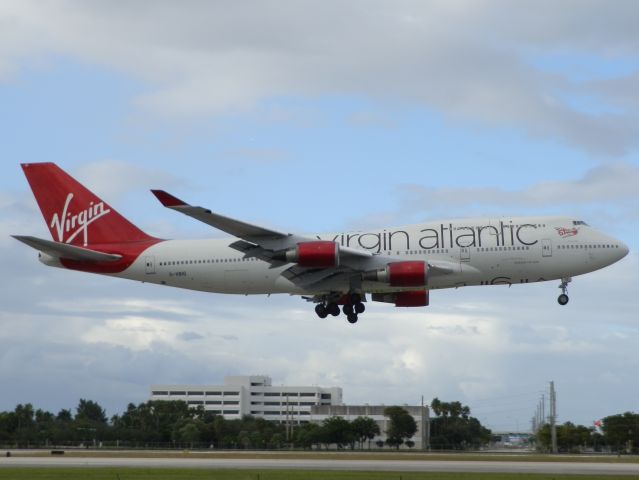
point(482, 252)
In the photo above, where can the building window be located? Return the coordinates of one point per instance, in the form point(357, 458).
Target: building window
point(213, 402)
point(303, 394)
point(160, 392)
point(196, 393)
point(214, 393)
point(178, 393)
point(271, 394)
point(231, 412)
point(196, 402)
point(231, 393)
point(326, 396)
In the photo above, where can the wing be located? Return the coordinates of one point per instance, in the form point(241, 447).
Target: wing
point(268, 244)
point(266, 238)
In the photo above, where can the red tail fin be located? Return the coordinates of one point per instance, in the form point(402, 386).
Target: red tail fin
point(73, 214)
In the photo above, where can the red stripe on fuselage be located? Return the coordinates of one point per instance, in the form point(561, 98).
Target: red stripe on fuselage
point(130, 252)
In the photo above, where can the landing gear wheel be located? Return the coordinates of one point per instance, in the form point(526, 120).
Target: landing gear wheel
point(352, 318)
point(347, 309)
point(333, 309)
point(563, 298)
point(360, 307)
point(320, 309)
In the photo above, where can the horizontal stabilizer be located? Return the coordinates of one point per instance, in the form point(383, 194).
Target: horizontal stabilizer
point(66, 251)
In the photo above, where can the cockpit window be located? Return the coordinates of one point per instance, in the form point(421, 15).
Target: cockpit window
point(580, 222)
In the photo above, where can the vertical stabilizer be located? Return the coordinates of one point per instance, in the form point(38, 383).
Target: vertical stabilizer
point(74, 214)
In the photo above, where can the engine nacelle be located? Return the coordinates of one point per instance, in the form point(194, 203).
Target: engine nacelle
point(418, 298)
point(402, 274)
point(322, 253)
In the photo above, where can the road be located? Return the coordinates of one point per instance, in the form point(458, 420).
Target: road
point(319, 464)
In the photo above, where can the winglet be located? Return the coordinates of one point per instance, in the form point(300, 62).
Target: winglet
point(167, 199)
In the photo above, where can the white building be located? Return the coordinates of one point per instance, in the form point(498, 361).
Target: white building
point(252, 395)
point(421, 415)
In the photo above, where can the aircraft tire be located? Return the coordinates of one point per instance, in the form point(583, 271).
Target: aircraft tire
point(562, 299)
point(320, 310)
point(360, 307)
point(333, 309)
point(352, 318)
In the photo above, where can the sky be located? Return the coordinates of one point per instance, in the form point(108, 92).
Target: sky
point(324, 116)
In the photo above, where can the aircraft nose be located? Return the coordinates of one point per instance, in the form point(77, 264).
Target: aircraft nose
point(623, 250)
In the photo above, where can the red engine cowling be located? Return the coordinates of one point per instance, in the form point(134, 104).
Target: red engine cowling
point(419, 298)
point(315, 254)
point(404, 274)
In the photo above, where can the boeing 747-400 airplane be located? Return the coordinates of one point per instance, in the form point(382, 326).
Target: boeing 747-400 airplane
point(394, 265)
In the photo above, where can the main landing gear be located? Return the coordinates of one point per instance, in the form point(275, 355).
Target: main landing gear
point(563, 298)
point(353, 307)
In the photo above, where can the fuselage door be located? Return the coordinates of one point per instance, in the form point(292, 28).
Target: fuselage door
point(149, 262)
point(546, 247)
point(464, 254)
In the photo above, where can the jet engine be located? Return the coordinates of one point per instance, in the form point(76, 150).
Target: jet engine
point(402, 274)
point(418, 298)
point(314, 254)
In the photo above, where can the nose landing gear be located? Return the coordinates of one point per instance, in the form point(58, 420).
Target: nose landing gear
point(563, 298)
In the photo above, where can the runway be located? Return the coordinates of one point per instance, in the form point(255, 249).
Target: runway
point(319, 464)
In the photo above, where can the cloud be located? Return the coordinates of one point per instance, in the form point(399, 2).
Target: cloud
point(471, 343)
point(468, 60)
point(609, 192)
point(123, 306)
point(75, 335)
point(112, 179)
point(190, 336)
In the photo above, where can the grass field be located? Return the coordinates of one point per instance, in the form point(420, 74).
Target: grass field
point(203, 474)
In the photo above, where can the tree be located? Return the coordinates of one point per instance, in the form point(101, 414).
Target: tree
point(364, 428)
point(570, 437)
point(454, 428)
point(24, 424)
point(90, 411)
point(188, 432)
point(64, 416)
point(402, 426)
point(307, 435)
point(622, 431)
point(336, 430)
